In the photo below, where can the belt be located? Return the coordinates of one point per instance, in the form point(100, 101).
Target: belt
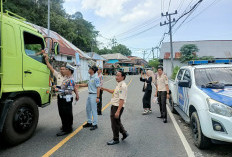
point(92, 93)
point(64, 96)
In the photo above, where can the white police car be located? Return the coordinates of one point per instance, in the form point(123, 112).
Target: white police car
point(202, 95)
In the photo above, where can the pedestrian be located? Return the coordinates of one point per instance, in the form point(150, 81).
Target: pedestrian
point(60, 77)
point(93, 98)
point(162, 90)
point(66, 99)
point(118, 103)
point(99, 105)
point(147, 89)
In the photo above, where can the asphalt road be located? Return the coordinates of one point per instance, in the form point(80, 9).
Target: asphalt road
point(149, 136)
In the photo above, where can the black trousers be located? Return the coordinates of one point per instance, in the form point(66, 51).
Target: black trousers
point(99, 105)
point(162, 96)
point(116, 123)
point(147, 99)
point(66, 113)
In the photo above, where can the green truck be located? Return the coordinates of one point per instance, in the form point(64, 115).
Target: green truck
point(24, 78)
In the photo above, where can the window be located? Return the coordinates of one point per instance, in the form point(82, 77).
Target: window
point(33, 46)
point(69, 58)
point(179, 76)
point(187, 76)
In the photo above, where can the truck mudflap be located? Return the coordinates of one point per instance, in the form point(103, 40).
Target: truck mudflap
point(4, 110)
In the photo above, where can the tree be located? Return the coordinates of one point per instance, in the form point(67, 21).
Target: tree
point(77, 15)
point(188, 52)
point(121, 49)
point(154, 63)
point(104, 51)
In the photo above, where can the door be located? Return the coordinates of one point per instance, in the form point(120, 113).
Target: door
point(186, 77)
point(35, 71)
point(179, 89)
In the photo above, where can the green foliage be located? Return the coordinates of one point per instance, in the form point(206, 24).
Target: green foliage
point(187, 52)
point(175, 71)
point(206, 58)
point(116, 49)
point(72, 27)
point(154, 63)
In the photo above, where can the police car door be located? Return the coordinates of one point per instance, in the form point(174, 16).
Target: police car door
point(35, 71)
point(184, 92)
point(180, 100)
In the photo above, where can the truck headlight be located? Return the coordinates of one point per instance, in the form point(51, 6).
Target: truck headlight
point(219, 108)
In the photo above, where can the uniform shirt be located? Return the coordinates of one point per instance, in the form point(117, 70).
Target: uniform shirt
point(101, 79)
point(120, 92)
point(93, 84)
point(59, 78)
point(68, 85)
point(161, 82)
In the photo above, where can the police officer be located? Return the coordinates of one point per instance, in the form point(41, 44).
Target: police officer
point(66, 99)
point(93, 98)
point(118, 103)
point(162, 91)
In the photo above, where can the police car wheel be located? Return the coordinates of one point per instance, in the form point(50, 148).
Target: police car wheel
point(201, 141)
point(172, 105)
point(21, 121)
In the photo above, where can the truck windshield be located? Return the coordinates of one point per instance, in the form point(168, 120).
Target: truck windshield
point(221, 75)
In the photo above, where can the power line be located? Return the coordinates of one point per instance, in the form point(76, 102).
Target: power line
point(132, 36)
point(138, 27)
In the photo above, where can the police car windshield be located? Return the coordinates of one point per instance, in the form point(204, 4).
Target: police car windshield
point(221, 75)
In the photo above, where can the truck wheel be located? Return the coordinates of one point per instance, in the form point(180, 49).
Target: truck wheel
point(172, 105)
point(21, 121)
point(201, 141)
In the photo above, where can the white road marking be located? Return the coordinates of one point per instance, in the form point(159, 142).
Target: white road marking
point(181, 135)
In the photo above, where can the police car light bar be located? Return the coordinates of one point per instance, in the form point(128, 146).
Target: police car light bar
point(216, 61)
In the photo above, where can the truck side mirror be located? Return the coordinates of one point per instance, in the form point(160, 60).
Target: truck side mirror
point(56, 48)
point(184, 83)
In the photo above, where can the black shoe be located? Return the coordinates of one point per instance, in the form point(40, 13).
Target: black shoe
point(112, 142)
point(160, 117)
point(62, 133)
point(125, 135)
point(94, 127)
point(99, 113)
point(87, 125)
point(165, 120)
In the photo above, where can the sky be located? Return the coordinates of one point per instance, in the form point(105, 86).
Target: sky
point(136, 23)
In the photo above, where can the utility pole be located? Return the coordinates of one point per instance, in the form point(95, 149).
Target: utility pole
point(170, 31)
point(144, 53)
point(48, 25)
point(153, 52)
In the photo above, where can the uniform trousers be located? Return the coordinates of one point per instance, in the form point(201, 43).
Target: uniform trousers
point(162, 96)
point(99, 105)
point(66, 113)
point(116, 123)
point(91, 109)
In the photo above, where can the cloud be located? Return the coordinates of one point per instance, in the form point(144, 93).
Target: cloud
point(146, 9)
point(104, 8)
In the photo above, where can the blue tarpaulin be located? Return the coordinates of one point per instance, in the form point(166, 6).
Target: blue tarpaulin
point(112, 61)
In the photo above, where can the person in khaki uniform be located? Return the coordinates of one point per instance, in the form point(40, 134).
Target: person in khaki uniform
point(162, 90)
point(118, 103)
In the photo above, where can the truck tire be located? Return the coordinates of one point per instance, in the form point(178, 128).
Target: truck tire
point(200, 140)
point(172, 105)
point(21, 121)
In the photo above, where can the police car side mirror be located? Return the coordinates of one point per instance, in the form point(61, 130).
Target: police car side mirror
point(56, 48)
point(184, 83)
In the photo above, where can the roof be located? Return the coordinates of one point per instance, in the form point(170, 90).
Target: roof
point(66, 47)
point(134, 58)
point(95, 56)
point(215, 48)
point(118, 56)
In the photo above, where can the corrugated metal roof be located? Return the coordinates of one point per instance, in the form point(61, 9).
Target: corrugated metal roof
point(66, 47)
point(118, 56)
point(95, 56)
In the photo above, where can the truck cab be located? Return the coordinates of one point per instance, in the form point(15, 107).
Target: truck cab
point(202, 95)
point(24, 78)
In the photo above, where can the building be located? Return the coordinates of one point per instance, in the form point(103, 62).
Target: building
point(97, 59)
point(219, 49)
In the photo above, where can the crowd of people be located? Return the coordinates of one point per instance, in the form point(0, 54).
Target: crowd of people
point(65, 86)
